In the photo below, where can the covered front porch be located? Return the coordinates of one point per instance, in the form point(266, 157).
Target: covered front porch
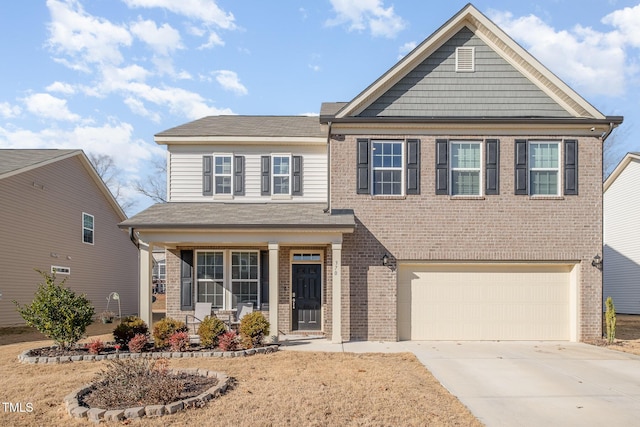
point(289, 269)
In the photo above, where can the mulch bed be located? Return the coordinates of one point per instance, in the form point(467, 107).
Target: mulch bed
point(81, 350)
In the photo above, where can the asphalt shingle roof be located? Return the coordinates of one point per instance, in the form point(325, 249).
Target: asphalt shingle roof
point(239, 215)
point(12, 160)
point(249, 126)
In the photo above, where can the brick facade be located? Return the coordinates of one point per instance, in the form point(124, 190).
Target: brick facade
point(504, 227)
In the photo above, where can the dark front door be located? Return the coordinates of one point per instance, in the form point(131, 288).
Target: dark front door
point(306, 298)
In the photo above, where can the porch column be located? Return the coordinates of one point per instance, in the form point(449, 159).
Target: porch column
point(274, 287)
point(336, 306)
point(146, 271)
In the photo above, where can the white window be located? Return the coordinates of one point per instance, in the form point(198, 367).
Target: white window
point(466, 158)
point(222, 174)
point(87, 228)
point(225, 283)
point(210, 277)
point(387, 161)
point(281, 174)
point(544, 168)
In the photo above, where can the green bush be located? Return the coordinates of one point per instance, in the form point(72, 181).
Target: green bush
point(128, 328)
point(610, 320)
point(57, 312)
point(209, 331)
point(253, 328)
point(163, 329)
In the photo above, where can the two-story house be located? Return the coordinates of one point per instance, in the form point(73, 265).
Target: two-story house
point(457, 197)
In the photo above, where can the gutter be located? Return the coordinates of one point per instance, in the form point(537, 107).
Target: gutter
point(612, 126)
point(328, 208)
point(133, 238)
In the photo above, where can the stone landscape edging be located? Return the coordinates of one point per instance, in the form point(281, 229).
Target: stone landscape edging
point(25, 358)
point(98, 414)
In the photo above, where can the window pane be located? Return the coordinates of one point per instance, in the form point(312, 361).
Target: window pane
point(87, 236)
point(544, 182)
point(223, 185)
point(281, 165)
point(87, 221)
point(223, 165)
point(465, 183)
point(543, 155)
point(387, 182)
point(281, 185)
point(465, 155)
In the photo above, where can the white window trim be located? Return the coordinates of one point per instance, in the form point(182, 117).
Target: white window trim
point(93, 230)
point(532, 169)
point(227, 277)
point(307, 252)
point(480, 169)
point(274, 175)
point(215, 175)
point(402, 168)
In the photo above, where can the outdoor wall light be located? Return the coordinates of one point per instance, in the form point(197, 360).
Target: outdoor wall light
point(385, 260)
point(597, 262)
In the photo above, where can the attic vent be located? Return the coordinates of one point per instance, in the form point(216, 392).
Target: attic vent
point(465, 59)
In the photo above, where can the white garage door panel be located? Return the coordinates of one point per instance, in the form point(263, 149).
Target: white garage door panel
point(484, 302)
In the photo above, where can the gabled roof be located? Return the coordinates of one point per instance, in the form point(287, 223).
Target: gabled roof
point(239, 216)
point(499, 43)
point(628, 158)
point(17, 161)
point(244, 127)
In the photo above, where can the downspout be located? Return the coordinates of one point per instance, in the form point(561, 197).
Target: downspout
point(133, 238)
point(328, 208)
point(607, 133)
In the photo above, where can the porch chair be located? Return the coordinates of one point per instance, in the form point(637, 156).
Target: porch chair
point(203, 309)
point(243, 309)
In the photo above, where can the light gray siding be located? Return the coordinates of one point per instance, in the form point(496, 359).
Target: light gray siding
point(41, 225)
point(185, 179)
point(435, 89)
point(622, 240)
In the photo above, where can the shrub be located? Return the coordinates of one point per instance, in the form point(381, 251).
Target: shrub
point(610, 319)
point(137, 343)
point(179, 341)
point(253, 328)
point(209, 330)
point(57, 312)
point(128, 328)
point(228, 341)
point(166, 327)
point(95, 346)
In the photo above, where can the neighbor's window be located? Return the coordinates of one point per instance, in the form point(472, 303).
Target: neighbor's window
point(87, 228)
point(465, 168)
point(544, 168)
point(281, 174)
point(387, 167)
point(210, 277)
point(222, 173)
point(244, 278)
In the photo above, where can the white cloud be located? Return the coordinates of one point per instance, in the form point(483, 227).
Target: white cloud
point(594, 62)
point(229, 81)
point(163, 40)
point(85, 39)
point(60, 87)
point(626, 20)
point(137, 107)
point(406, 48)
point(9, 111)
point(206, 11)
point(212, 41)
point(49, 107)
point(367, 14)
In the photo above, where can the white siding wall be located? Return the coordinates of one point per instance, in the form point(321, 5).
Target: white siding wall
point(185, 166)
point(622, 240)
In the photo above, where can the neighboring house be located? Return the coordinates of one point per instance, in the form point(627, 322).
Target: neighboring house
point(458, 197)
point(621, 257)
point(57, 214)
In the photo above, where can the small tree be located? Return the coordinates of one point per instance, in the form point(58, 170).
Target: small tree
point(610, 320)
point(57, 312)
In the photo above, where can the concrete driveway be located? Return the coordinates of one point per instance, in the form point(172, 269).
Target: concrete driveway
point(537, 383)
point(541, 384)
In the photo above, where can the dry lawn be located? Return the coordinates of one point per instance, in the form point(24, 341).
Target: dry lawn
point(286, 388)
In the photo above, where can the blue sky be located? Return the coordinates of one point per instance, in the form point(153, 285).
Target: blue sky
point(106, 75)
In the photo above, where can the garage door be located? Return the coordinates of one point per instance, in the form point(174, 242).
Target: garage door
point(484, 302)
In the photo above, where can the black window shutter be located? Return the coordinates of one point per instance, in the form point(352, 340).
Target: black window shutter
point(296, 175)
point(521, 168)
point(265, 176)
point(363, 173)
point(238, 176)
point(207, 175)
point(571, 167)
point(492, 167)
point(413, 166)
point(186, 280)
point(442, 166)
point(264, 277)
